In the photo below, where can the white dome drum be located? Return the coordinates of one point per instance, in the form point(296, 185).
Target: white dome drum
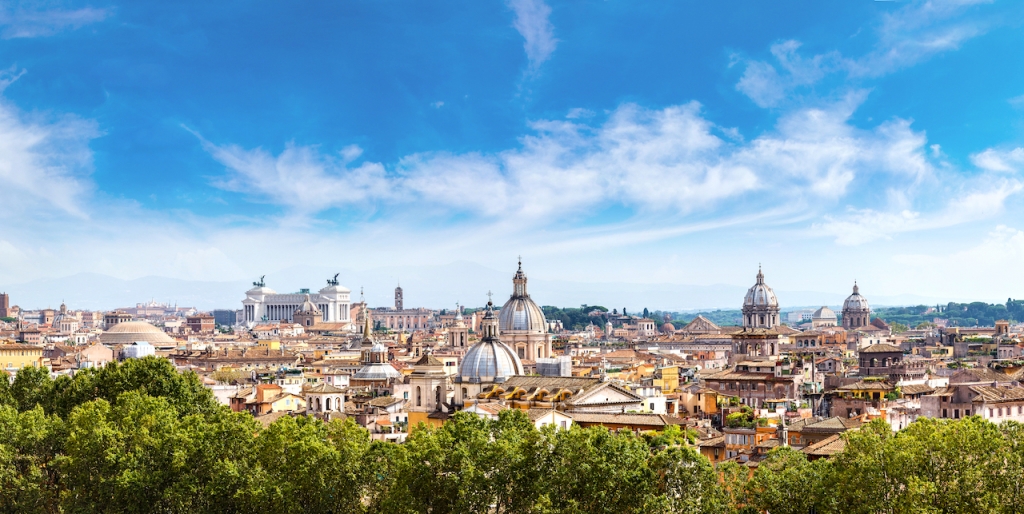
point(760, 305)
point(856, 311)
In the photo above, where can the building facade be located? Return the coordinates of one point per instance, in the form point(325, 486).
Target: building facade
point(264, 304)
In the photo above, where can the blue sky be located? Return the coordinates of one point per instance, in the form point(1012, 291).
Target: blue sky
point(672, 142)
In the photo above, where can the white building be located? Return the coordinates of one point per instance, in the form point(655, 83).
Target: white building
point(138, 350)
point(264, 304)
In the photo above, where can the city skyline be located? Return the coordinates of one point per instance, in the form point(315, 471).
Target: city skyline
point(618, 144)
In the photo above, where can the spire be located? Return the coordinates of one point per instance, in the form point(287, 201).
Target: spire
point(368, 326)
point(519, 281)
point(489, 324)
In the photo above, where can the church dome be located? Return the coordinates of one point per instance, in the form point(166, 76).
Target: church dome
point(308, 308)
point(824, 314)
point(489, 360)
point(668, 328)
point(520, 313)
point(128, 332)
point(856, 302)
point(760, 295)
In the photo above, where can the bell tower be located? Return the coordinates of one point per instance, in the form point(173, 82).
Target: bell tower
point(398, 298)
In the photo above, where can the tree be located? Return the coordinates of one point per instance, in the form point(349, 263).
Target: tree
point(152, 376)
point(687, 481)
point(228, 376)
point(30, 441)
point(6, 398)
point(785, 482)
point(32, 386)
point(595, 471)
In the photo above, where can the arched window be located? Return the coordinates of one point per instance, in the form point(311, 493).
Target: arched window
point(465, 393)
point(419, 399)
point(328, 405)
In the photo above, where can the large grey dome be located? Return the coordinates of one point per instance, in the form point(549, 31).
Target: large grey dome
point(520, 313)
point(824, 313)
point(760, 295)
point(489, 360)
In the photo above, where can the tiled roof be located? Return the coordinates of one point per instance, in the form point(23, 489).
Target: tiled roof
point(827, 447)
point(979, 375)
point(882, 348)
point(832, 425)
point(428, 360)
point(998, 394)
point(713, 442)
point(652, 420)
point(384, 401)
point(324, 389)
point(867, 386)
point(917, 389)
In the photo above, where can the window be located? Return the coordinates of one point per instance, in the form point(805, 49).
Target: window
point(990, 413)
point(945, 413)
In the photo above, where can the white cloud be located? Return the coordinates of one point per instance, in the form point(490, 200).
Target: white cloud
point(817, 150)
point(907, 36)
point(861, 226)
point(531, 20)
point(300, 178)
point(646, 160)
point(20, 21)
point(767, 87)
point(579, 112)
point(437, 105)
point(44, 161)
point(1000, 160)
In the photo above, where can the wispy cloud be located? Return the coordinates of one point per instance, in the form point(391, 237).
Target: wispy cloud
point(531, 20)
point(668, 161)
point(27, 20)
point(301, 178)
point(1006, 161)
point(905, 37)
point(861, 226)
point(43, 160)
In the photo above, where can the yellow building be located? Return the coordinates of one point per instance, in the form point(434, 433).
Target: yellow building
point(269, 345)
point(14, 356)
point(667, 378)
